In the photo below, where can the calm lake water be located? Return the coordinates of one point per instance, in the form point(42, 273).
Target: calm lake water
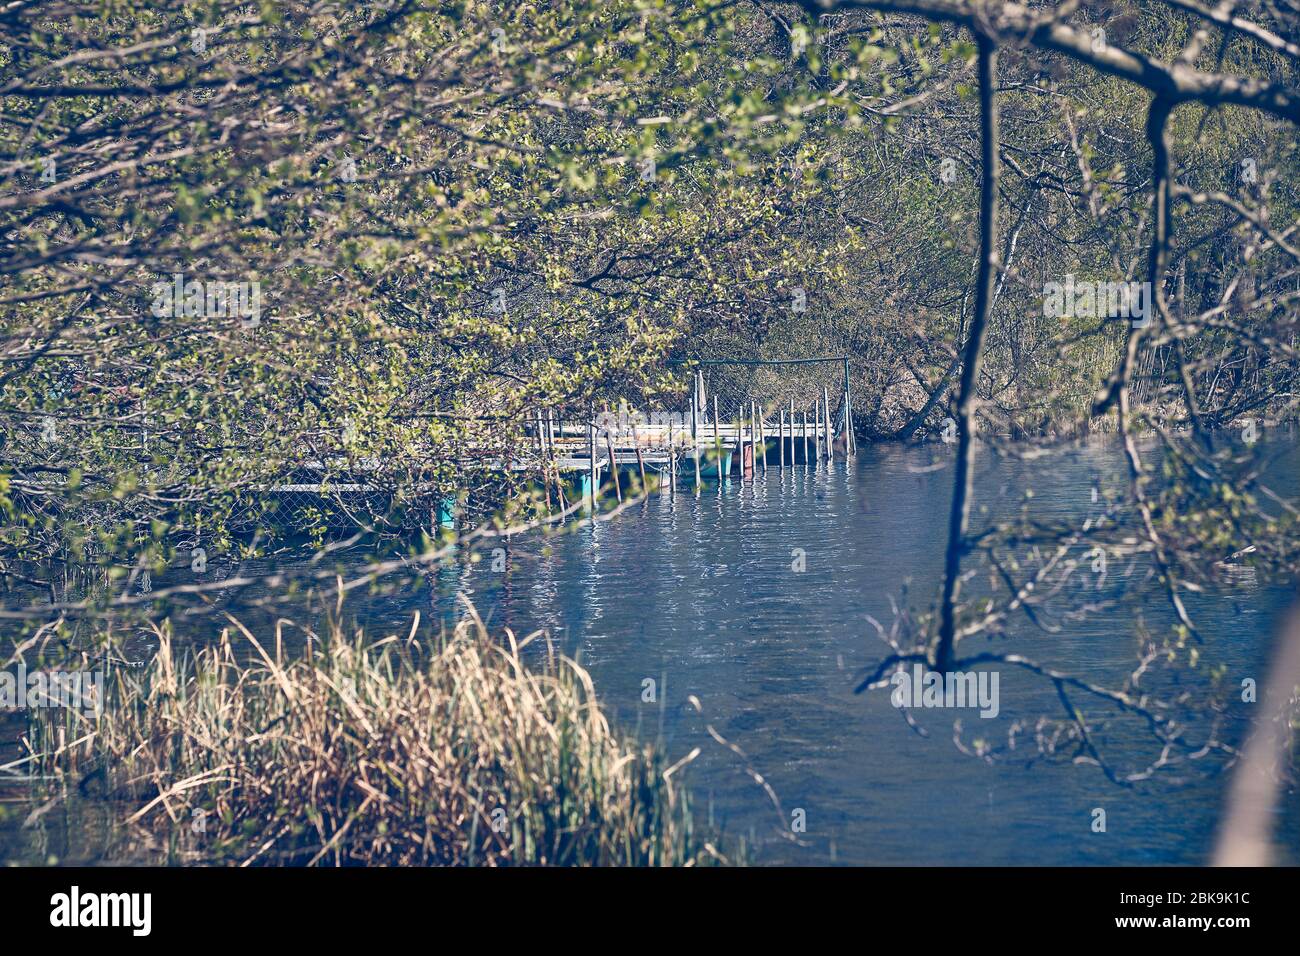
point(698, 594)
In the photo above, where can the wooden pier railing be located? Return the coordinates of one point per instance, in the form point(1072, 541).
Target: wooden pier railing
point(574, 454)
point(686, 446)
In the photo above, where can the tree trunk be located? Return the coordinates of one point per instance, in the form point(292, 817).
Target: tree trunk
point(944, 650)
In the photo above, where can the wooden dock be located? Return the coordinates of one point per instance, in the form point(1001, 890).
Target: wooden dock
point(578, 455)
point(617, 447)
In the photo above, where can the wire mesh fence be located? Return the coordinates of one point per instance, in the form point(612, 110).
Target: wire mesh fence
point(735, 389)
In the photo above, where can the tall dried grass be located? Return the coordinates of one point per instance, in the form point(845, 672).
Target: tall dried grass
point(402, 752)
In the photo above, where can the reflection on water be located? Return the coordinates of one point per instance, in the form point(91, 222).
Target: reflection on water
point(702, 597)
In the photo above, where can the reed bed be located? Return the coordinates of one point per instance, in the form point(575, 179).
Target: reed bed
point(453, 751)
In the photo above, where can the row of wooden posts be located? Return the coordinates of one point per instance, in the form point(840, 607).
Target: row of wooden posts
point(748, 430)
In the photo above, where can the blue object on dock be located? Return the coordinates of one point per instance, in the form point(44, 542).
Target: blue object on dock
point(447, 513)
point(709, 466)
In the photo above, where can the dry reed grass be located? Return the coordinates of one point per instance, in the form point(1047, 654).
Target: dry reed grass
point(401, 752)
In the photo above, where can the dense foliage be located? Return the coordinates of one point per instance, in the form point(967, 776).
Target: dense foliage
point(456, 214)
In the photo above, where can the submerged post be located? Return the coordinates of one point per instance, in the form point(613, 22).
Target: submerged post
point(543, 459)
point(807, 459)
point(672, 457)
point(554, 465)
point(850, 441)
point(780, 441)
point(740, 442)
point(830, 438)
point(613, 464)
point(640, 461)
point(591, 452)
point(818, 454)
point(753, 441)
point(717, 439)
point(792, 432)
point(695, 441)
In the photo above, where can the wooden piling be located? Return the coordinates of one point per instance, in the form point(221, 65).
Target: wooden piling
point(553, 462)
point(830, 434)
point(543, 458)
point(780, 441)
point(672, 457)
point(640, 461)
point(850, 440)
point(753, 438)
point(552, 417)
point(791, 432)
point(753, 435)
point(831, 422)
point(559, 490)
point(849, 448)
point(591, 452)
point(613, 465)
point(717, 439)
point(695, 441)
point(753, 443)
point(740, 442)
point(807, 459)
point(762, 439)
point(817, 427)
